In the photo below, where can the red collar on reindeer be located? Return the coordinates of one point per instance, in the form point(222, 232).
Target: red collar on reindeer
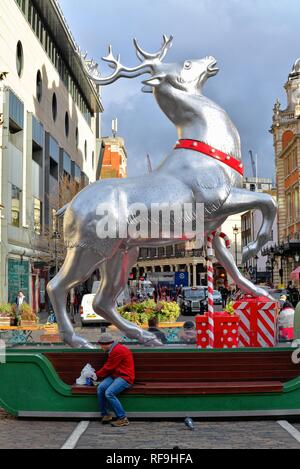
point(213, 152)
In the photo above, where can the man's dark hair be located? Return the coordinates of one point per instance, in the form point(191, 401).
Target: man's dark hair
point(153, 322)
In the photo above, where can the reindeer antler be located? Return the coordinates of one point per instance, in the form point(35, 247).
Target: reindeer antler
point(160, 55)
point(148, 61)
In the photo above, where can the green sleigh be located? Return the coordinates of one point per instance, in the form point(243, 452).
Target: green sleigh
point(169, 383)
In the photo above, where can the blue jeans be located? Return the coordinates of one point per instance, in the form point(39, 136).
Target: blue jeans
point(107, 392)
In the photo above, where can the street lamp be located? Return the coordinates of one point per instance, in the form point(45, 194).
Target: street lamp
point(281, 253)
point(56, 236)
point(256, 259)
point(235, 232)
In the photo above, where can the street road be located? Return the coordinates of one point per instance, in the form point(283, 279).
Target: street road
point(147, 434)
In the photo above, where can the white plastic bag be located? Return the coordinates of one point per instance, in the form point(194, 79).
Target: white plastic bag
point(87, 372)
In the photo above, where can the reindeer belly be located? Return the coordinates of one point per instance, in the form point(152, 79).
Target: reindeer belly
point(84, 219)
point(211, 187)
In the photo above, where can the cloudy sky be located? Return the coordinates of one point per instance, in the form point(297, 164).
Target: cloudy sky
point(255, 41)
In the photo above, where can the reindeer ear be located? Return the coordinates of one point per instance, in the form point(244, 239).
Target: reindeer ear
point(154, 81)
point(147, 89)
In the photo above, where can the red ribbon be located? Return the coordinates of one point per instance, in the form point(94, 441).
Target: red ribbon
point(213, 152)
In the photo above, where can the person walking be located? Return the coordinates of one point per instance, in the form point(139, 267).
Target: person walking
point(224, 293)
point(118, 374)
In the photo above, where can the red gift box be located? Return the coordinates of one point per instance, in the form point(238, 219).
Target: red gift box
point(258, 318)
point(202, 331)
point(226, 329)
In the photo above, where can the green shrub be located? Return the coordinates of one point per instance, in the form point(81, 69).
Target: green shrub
point(140, 313)
point(6, 310)
point(229, 308)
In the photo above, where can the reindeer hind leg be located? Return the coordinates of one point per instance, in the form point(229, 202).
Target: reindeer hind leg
point(114, 276)
point(77, 268)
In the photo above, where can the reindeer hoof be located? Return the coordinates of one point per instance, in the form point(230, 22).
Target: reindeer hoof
point(147, 338)
point(79, 342)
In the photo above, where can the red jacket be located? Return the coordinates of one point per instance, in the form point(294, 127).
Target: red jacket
point(119, 364)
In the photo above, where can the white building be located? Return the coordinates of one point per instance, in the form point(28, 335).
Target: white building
point(257, 267)
point(50, 125)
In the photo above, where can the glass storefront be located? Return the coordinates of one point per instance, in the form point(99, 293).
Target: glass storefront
point(18, 279)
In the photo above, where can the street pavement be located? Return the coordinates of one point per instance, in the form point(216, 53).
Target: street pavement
point(35, 434)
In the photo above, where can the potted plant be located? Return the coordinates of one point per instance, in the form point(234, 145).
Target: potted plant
point(7, 316)
point(27, 316)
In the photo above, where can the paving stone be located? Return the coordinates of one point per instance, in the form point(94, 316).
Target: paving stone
point(167, 435)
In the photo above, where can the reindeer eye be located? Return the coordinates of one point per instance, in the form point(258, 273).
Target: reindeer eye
point(188, 65)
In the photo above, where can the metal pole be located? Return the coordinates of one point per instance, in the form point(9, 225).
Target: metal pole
point(235, 248)
point(55, 254)
point(256, 270)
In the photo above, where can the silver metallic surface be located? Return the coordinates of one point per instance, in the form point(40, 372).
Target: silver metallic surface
point(183, 177)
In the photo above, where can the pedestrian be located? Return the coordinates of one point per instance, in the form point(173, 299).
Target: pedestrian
point(20, 300)
point(286, 321)
point(224, 293)
point(297, 322)
point(153, 327)
point(118, 375)
point(188, 335)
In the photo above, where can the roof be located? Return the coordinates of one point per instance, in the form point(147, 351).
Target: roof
point(57, 25)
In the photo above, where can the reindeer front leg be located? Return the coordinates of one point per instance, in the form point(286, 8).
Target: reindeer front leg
point(240, 201)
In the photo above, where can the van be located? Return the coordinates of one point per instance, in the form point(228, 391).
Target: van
point(87, 313)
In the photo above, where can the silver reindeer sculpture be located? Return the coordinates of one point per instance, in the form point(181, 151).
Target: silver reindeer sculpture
point(204, 167)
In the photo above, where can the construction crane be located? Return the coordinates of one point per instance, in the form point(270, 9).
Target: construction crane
point(149, 164)
point(254, 166)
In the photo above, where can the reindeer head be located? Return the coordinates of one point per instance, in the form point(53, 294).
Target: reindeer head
point(188, 77)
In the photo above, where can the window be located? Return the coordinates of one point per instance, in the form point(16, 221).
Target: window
point(93, 159)
point(54, 107)
point(49, 43)
point(54, 225)
point(22, 5)
point(296, 204)
point(67, 124)
point(37, 215)
point(289, 207)
point(19, 59)
point(77, 137)
point(15, 206)
point(39, 86)
point(85, 150)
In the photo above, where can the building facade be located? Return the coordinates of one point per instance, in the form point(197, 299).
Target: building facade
point(175, 258)
point(50, 129)
point(114, 158)
point(259, 269)
point(286, 136)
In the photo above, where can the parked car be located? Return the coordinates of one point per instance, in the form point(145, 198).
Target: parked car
point(217, 298)
point(193, 301)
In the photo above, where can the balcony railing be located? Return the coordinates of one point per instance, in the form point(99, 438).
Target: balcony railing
point(175, 255)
